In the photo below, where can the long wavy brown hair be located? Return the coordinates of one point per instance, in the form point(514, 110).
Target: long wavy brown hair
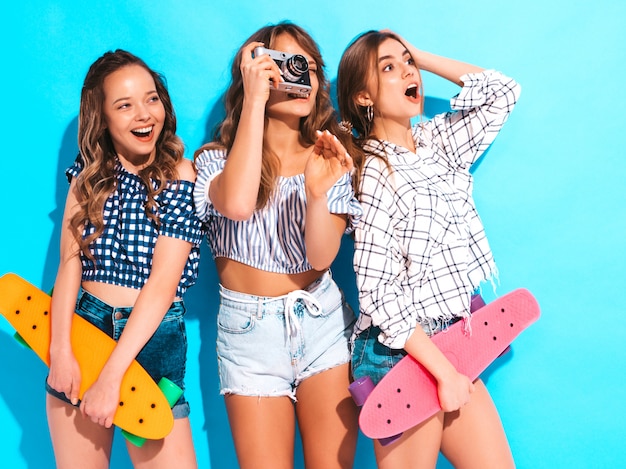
point(358, 63)
point(97, 179)
point(322, 117)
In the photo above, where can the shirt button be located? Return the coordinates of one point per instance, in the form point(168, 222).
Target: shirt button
point(118, 315)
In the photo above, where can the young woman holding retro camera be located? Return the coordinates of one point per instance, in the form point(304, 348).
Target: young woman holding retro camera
point(420, 249)
point(274, 189)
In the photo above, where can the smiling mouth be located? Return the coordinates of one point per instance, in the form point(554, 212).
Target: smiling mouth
point(143, 133)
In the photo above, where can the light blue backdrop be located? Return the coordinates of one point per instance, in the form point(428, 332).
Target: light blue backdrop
point(551, 191)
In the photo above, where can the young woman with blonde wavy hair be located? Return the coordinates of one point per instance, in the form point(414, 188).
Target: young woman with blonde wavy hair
point(275, 190)
point(129, 250)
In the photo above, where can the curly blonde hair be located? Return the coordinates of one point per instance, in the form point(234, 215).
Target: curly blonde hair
point(97, 179)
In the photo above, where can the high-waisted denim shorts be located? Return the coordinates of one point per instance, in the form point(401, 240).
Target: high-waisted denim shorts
point(266, 346)
point(164, 355)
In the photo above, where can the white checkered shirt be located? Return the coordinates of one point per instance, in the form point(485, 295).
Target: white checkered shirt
point(420, 249)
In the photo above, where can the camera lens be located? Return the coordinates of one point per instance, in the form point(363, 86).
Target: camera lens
point(294, 67)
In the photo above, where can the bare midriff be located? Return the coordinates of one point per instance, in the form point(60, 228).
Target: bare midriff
point(243, 278)
point(114, 295)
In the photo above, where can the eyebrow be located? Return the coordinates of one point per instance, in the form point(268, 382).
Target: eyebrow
point(148, 93)
point(385, 57)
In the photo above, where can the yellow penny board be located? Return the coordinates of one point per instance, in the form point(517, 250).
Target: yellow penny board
point(143, 410)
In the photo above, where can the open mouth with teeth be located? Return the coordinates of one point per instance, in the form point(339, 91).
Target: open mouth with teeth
point(143, 133)
point(297, 95)
point(411, 91)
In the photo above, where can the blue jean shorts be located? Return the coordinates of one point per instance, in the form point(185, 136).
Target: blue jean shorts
point(164, 355)
point(373, 359)
point(266, 346)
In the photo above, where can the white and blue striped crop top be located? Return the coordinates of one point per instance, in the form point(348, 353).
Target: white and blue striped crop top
point(272, 239)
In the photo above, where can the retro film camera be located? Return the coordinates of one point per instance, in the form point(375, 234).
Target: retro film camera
point(295, 69)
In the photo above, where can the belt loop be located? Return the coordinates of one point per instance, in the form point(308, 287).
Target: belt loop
point(259, 308)
point(79, 299)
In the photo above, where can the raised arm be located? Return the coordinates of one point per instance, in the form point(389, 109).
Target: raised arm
point(328, 162)
point(234, 191)
point(447, 68)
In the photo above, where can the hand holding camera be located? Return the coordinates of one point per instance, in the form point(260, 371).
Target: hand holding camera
point(294, 69)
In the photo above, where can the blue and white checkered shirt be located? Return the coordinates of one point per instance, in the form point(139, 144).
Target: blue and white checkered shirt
point(273, 238)
point(123, 252)
point(420, 249)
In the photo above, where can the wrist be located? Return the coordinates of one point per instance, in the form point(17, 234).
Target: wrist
point(110, 375)
point(315, 196)
point(444, 372)
point(254, 103)
point(60, 349)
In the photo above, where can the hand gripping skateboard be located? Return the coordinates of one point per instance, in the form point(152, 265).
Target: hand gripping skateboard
point(144, 411)
point(407, 395)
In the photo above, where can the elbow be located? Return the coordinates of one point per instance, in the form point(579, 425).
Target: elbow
point(70, 259)
point(235, 208)
point(239, 217)
point(320, 267)
point(238, 212)
point(320, 263)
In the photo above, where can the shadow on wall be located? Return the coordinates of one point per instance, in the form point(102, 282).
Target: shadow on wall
point(216, 116)
point(26, 398)
point(67, 155)
point(202, 301)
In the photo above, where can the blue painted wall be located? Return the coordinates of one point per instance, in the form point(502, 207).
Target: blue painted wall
point(551, 191)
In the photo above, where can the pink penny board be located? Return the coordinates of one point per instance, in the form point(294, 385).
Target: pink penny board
point(407, 395)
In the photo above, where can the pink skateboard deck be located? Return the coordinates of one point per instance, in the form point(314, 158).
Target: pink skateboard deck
point(407, 395)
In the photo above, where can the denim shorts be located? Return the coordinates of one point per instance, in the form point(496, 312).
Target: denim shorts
point(164, 355)
point(373, 359)
point(266, 346)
